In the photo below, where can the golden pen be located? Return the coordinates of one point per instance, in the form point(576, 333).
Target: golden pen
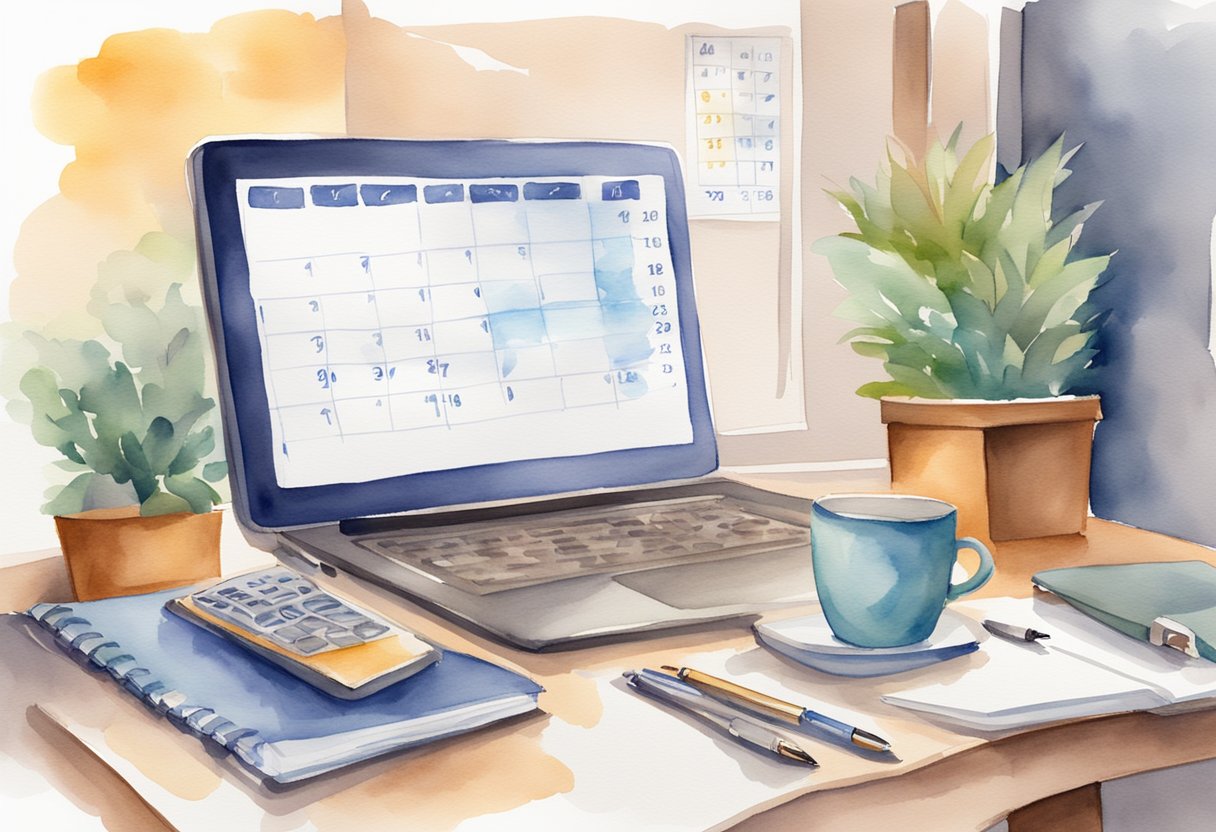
point(762, 703)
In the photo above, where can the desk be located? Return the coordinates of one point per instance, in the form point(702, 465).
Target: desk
point(600, 756)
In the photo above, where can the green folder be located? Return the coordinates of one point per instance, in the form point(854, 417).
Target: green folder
point(1170, 604)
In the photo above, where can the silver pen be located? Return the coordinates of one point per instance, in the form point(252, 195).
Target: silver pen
point(778, 709)
point(1011, 631)
point(743, 728)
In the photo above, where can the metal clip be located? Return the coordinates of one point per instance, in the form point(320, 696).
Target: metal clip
point(1166, 632)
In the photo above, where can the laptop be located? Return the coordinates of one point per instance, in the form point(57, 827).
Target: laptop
point(470, 371)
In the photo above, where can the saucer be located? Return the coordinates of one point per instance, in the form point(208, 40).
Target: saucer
point(808, 640)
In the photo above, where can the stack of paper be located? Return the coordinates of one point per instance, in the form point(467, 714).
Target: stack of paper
point(1084, 669)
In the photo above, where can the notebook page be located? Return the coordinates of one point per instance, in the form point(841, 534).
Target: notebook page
point(1174, 675)
point(410, 325)
point(1077, 673)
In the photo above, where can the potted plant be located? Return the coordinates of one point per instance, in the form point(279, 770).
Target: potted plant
point(970, 293)
point(130, 428)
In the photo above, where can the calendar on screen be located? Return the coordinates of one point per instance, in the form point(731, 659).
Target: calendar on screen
point(416, 324)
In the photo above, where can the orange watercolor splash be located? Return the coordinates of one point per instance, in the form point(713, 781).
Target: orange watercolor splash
point(132, 113)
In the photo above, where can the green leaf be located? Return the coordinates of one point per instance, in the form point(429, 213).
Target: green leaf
point(1063, 229)
point(871, 349)
point(968, 184)
point(1068, 289)
point(68, 449)
point(194, 491)
point(161, 503)
point(70, 498)
point(134, 452)
point(196, 446)
point(878, 389)
point(215, 471)
point(160, 445)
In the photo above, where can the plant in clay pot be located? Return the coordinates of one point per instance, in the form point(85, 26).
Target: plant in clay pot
point(971, 294)
point(132, 426)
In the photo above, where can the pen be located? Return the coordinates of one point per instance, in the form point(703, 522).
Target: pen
point(1011, 631)
point(739, 726)
point(778, 709)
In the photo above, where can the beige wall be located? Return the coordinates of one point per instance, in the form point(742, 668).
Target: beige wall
point(406, 81)
point(847, 78)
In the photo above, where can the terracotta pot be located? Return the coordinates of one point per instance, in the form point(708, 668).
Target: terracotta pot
point(114, 551)
point(1015, 469)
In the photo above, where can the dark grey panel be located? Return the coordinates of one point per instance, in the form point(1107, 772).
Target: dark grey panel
point(1136, 83)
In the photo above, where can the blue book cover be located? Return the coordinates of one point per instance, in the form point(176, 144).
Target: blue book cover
point(276, 724)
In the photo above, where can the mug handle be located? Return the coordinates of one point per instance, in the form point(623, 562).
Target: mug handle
point(982, 574)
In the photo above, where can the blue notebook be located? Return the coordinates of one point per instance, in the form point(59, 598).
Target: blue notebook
point(274, 723)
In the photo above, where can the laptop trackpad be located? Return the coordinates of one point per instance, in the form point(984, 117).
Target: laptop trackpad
point(757, 579)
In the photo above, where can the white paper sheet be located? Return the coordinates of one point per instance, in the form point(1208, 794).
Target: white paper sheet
point(1084, 669)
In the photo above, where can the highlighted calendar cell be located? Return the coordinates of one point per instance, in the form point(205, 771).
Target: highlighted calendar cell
point(569, 287)
point(510, 295)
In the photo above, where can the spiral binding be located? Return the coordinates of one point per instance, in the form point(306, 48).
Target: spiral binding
point(78, 636)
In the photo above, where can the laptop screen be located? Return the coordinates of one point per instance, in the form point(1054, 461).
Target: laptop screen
point(409, 324)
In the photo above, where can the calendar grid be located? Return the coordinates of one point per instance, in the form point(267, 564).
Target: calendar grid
point(555, 302)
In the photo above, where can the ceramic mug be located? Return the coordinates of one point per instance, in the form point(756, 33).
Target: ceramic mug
point(883, 565)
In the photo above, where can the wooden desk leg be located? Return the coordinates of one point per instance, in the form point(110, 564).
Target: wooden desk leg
point(1079, 810)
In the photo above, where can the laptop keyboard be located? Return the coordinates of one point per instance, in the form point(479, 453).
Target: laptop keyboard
point(492, 556)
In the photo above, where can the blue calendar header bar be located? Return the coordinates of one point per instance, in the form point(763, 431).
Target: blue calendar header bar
point(348, 195)
point(622, 189)
point(552, 190)
point(493, 193)
point(443, 193)
point(374, 195)
point(263, 197)
point(334, 196)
